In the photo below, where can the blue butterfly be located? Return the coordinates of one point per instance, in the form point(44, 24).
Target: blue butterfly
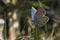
point(39, 16)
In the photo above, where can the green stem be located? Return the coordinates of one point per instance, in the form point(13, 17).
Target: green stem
point(36, 32)
point(5, 38)
point(46, 30)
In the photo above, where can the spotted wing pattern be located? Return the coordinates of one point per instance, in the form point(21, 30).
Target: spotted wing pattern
point(40, 18)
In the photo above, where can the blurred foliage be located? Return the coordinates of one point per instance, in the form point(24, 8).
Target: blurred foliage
point(19, 38)
point(26, 11)
point(58, 38)
point(40, 37)
point(36, 4)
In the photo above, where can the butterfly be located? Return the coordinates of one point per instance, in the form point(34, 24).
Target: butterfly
point(40, 18)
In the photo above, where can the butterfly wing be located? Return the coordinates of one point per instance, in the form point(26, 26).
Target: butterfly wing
point(33, 12)
point(44, 19)
point(41, 21)
point(40, 12)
